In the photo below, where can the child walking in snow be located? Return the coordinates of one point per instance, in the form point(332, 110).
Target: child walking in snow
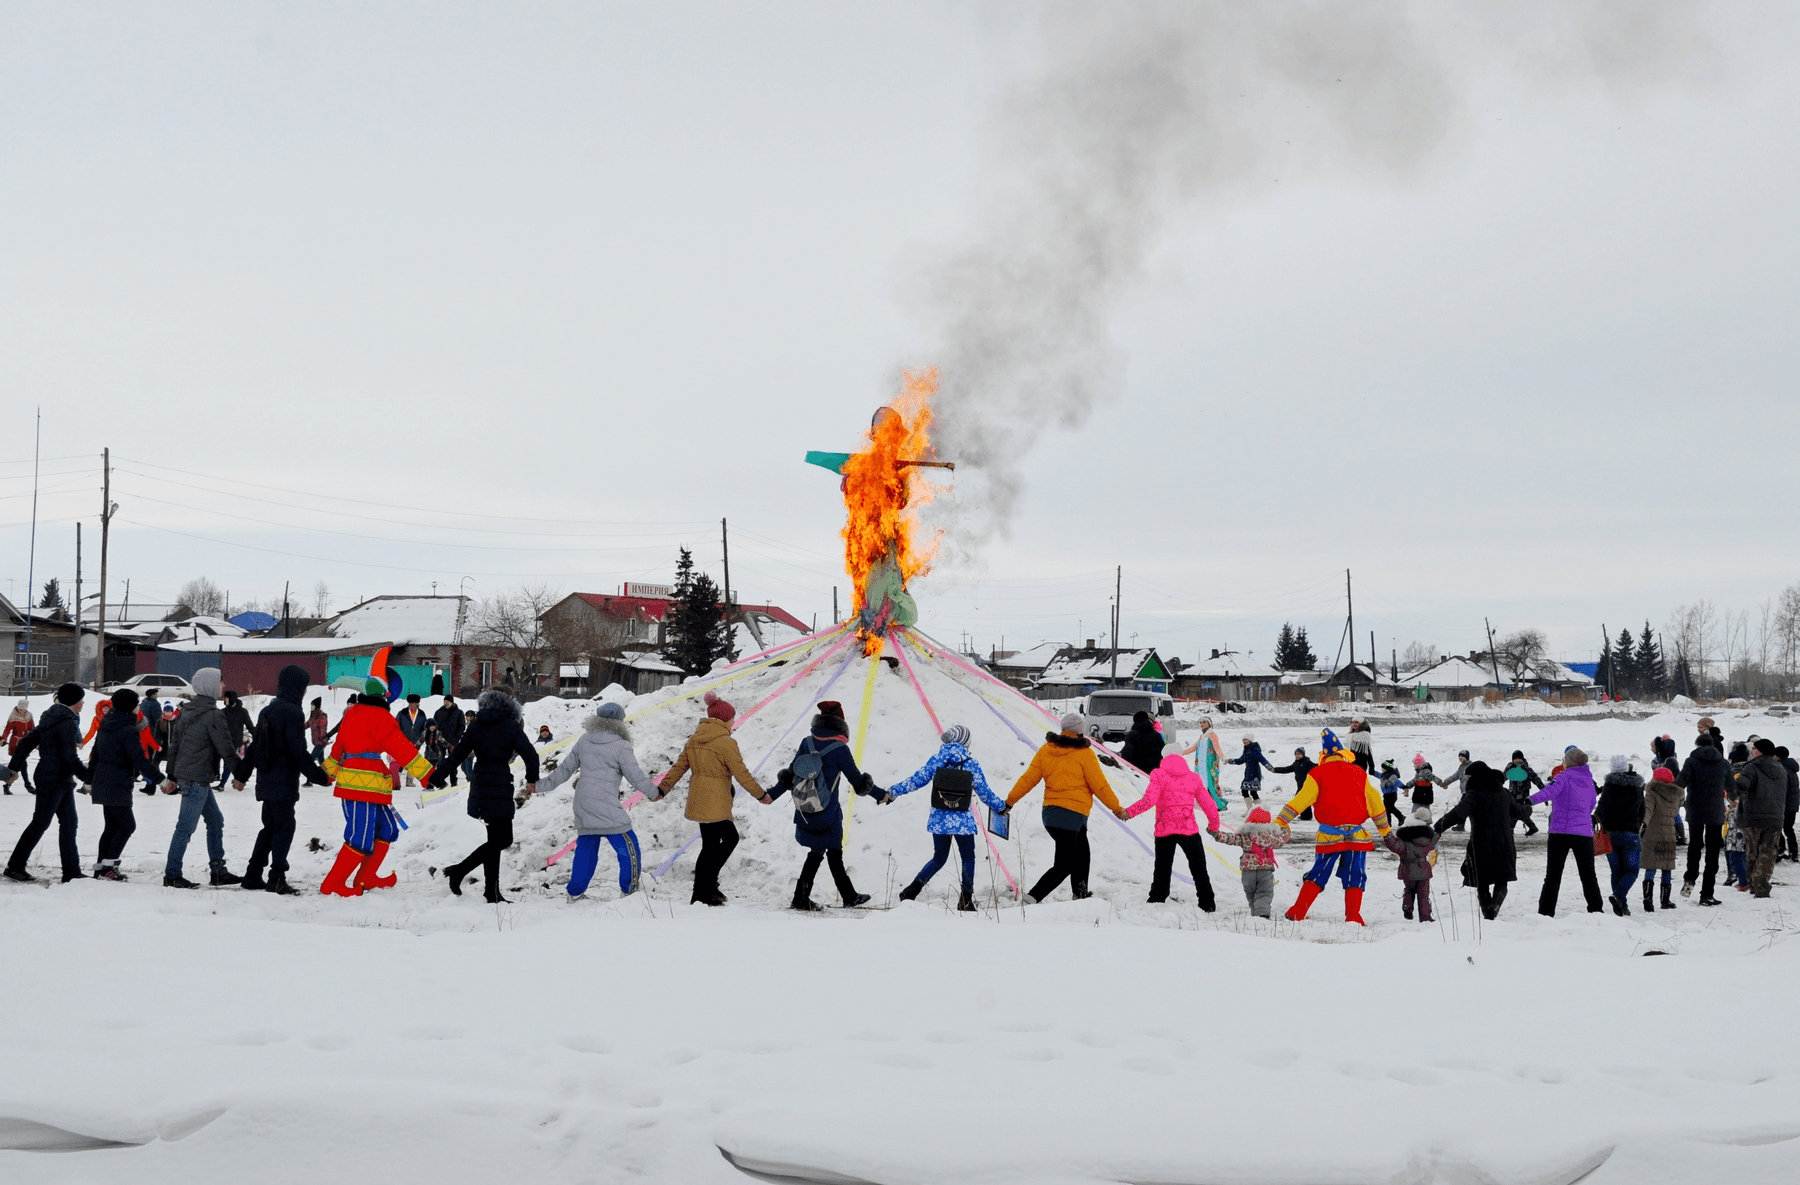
point(955, 777)
point(603, 758)
point(812, 778)
point(1415, 842)
point(1259, 837)
point(1423, 781)
point(1174, 791)
point(1390, 790)
point(1254, 763)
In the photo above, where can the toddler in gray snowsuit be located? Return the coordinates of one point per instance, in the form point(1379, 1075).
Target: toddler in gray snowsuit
point(1415, 842)
point(1259, 838)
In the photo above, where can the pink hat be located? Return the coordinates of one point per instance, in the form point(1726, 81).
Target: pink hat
point(1418, 760)
point(1663, 774)
point(718, 709)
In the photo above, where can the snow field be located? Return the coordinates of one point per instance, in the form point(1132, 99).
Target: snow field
point(410, 1036)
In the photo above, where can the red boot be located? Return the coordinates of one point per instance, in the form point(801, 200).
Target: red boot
point(1353, 906)
point(337, 881)
point(1309, 892)
point(367, 877)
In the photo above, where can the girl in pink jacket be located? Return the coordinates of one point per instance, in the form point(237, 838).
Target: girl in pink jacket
point(1175, 790)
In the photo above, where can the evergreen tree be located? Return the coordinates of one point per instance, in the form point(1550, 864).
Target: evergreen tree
point(696, 636)
point(52, 598)
point(1681, 680)
point(1292, 652)
point(1625, 672)
point(1304, 658)
point(1652, 675)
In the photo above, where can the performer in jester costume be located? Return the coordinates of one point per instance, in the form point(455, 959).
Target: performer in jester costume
point(1344, 802)
point(357, 765)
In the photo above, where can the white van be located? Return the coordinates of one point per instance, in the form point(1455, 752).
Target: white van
point(1109, 713)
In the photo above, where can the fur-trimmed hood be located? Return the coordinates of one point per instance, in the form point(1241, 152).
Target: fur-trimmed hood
point(605, 724)
point(495, 700)
point(1063, 740)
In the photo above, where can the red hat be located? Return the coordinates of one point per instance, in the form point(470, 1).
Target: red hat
point(1663, 774)
point(1259, 815)
point(718, 709)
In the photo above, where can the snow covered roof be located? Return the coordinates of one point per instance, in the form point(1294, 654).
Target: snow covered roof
point(400, 621)
point(1034, 659)
point(1091, 666)
point(1229, 666)
point(655, 608)
point(1452, 672)
point(210, 645)
point(135, 612)
point(204, 627)
point(648, 662)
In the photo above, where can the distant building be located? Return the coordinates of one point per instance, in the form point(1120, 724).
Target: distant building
point(1078, 671)
point(1226, 675)
point(1022, 668)
point(618, 638)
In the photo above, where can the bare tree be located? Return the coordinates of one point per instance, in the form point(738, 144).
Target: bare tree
point(321, 596)
point(1787, 626)
point(1417, 656)
point(599, 639)
point(514, 621)
point(1521, 652)
point(202, 596)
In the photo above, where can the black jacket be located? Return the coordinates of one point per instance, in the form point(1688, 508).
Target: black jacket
point(449, 721)
point(412, 724)
point(1302, 766)
point(1621, 804)
point(1703, 776)
point(237, 719)
point(1143, 747)
point(496, 737)
point(1793, 789)
point(1490, 810)
point(118, 760)
point(280, 751)
point(1762, 788)
point(57, 740)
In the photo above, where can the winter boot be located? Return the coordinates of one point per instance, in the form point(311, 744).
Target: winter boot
point(223, 876)
point(77, 875)
point(492, 896)
point(1406, 912)
point(1687, 888)
point(337, 881)
point(1353, 906)
point(277, 883)
point(178, 882)
point(253, 879)
point(1666, 903)
point(1309, 892)
point(369, 875)
point(1649, 906)
point(806, 904)
point(856, 899)
point(912, 891)
point(1424, 908)
point(1078, 890)
point(966, 902)
point(455, 874)
point(20, 875)
point(110, 872)
point(1618, 905)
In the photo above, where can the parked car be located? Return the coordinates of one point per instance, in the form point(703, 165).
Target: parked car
point(1779, 710)
point(1109, 713)
point(163, 687)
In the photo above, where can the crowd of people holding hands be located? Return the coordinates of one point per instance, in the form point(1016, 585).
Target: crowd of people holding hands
point(1740, 802)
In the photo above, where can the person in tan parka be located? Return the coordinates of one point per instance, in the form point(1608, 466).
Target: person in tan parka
point(1662, 814)
point(712, 756)
point(1072, 779)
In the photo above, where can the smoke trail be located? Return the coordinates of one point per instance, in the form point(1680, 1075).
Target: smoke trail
point(1146, 116)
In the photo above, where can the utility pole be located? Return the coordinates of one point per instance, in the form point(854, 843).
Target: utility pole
point(725, 544)
point(1118, 590)
point(1605, 653)
point(1350, 610)
point(106, 513)
point(287, 617)
point(78, 603)
point(31, 561)
point(1394, 664)
point(834, 611)
point(1494, 658)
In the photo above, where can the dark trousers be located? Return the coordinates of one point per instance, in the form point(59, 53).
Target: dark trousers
point(1561, 848)
point(832, 856)
point(1196, 862)
point(940, 855)
point(53, 802)
point(499, 838)
point(1393, 812)
point(1072, 859)
point(717, 842)
point(273, 841)
point(1419, 893)
point(120, 823)
point(1704, 837)
point(1787, 833)
point(1490, 898)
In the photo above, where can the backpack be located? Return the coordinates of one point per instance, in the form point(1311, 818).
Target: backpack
point(952, 788)
point(810, 793)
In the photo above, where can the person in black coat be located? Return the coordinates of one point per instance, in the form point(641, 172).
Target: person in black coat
point(237, 719)
point(449, 721)
point(279, 755)
point(1143, 744)
point(1489, 809)
point(822, 832)
point(117, 762)
point(1793, 801)
point(1704, 776)
point(494, 739)
point(1302, 766)
point(56, 740)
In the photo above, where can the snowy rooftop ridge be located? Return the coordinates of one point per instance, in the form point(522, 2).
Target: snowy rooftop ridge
point(400, 621)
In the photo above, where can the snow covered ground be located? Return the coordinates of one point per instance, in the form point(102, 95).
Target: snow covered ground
point(411, 1036)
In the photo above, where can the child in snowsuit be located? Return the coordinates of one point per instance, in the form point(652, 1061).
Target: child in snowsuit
point(1259, 837)
point(821, 832)
point(1737, 863)
point(602, 756)
point(1390, 790)
point(1423, 781)
point(1174, 791)
point(1520, 778)
point(1254, 763)
point(952, 811)
point(1415, 842)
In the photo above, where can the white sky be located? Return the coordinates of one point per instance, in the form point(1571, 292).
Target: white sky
point(580, 280)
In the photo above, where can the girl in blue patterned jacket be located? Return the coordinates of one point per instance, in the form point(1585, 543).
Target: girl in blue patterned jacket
point(948, 824)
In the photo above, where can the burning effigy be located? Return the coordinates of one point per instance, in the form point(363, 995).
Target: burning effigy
point(885, 546)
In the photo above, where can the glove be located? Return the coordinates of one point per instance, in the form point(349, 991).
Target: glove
point(883, 799)
point(785, 779)
point(868, 784)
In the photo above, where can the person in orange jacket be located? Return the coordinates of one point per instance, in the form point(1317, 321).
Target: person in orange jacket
point(1343, 802)
point(1072, 779)
point(357, 765)
point(100, 711)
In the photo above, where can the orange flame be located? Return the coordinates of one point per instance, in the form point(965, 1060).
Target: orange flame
point(881, 497)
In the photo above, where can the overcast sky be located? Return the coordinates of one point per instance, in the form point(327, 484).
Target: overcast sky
point(489, 295)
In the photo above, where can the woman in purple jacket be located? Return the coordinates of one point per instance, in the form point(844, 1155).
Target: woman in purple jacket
point(1571, 797)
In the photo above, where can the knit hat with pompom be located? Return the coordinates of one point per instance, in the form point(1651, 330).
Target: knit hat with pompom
point(718, 709)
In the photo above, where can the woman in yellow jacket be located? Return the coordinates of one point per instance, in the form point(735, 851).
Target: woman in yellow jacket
point(713, 756)
point(1072, 779)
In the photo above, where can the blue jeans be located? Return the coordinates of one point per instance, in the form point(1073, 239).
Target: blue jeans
point(940, 854)
point(587, 859)
point(1623, 859)
point(197, 802)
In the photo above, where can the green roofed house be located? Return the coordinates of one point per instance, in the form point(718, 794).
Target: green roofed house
point(1078, 670)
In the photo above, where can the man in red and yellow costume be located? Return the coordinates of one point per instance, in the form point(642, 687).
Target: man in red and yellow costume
point(1343, 802)
point(366, 736)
